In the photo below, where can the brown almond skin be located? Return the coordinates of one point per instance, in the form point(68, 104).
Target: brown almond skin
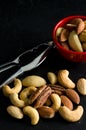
point(66, 102)
point(46, 112)
point(73, 95)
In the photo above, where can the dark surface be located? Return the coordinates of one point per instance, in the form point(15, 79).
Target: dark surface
point(23, 25)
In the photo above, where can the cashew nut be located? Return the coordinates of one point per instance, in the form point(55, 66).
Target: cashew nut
point(32, 113)
point(25, 93)
point(15, 100)
point(71, 116)
point(64, 79)
point(16, 89)
point(52, 77)
point(33, 80)
point(15, 112)
point(56, 100)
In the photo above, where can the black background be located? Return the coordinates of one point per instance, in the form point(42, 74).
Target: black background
point(25, 24)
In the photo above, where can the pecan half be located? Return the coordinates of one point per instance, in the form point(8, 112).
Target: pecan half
point(34, 96)
point(57, 89)
point(42, 98)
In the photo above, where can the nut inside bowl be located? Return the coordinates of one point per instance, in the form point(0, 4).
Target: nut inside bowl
point(70, 26)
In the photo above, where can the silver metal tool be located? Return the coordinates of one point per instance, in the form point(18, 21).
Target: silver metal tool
point(17, 60)
point(33, 64)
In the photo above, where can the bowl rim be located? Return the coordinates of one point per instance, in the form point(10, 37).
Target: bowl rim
point(58, 24)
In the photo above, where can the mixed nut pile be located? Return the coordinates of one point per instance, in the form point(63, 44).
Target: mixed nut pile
point(72, 35)
point(35, 97)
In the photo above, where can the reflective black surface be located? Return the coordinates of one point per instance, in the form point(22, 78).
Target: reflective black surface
point(23, 25)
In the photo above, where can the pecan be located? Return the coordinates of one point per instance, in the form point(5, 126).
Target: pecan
point(57, 92)
point(34, 96)
point(42, 98)
point(57, 89)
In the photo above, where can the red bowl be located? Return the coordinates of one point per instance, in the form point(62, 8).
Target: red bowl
point(68, 54)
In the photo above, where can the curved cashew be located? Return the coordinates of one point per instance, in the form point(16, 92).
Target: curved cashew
point(16, 89)
point(71, 116)
point(56, 100)
point(32, 113)
point(15, 100)
point(15, 112)
point(64, 80)
point(33, 80)
point(25, 93)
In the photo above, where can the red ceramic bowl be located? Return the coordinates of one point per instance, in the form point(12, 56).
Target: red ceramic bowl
point(68, 54)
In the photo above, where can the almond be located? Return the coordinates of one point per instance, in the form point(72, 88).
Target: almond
point(66, 102)
point(46, 112)
point(73, 95)
point(75, 21)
